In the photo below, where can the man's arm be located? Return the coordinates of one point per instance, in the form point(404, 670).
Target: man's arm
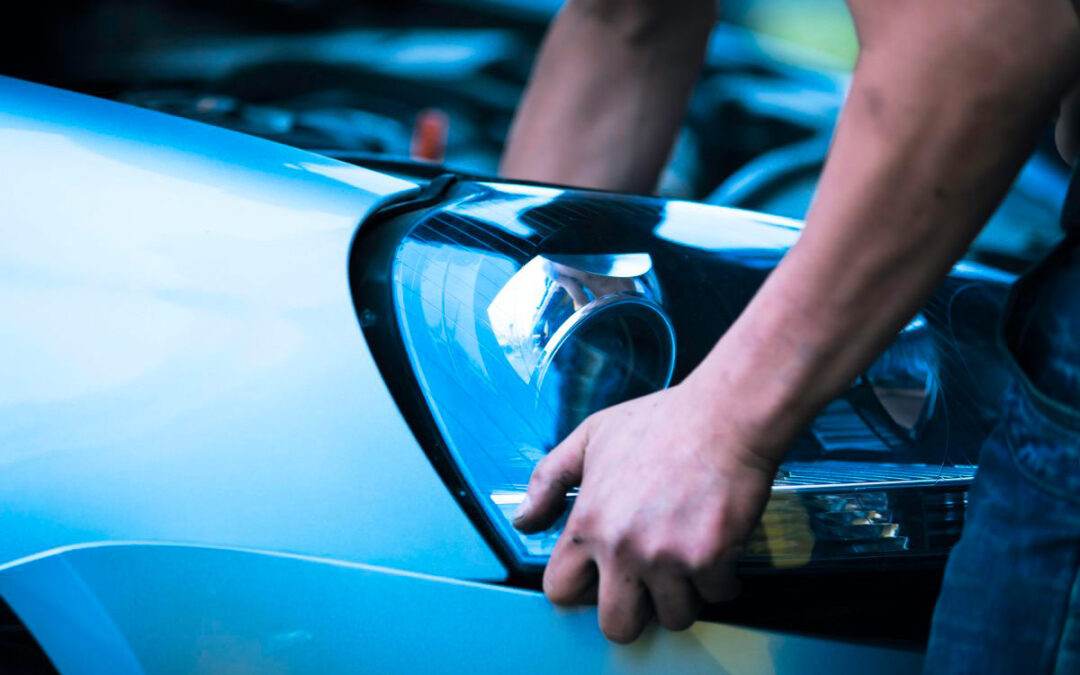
point(946, 102)
point(608, 93)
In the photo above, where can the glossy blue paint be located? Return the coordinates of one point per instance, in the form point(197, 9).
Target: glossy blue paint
point(181, 360)
point(132, 609)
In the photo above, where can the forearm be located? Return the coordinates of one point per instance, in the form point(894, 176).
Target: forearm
point(938, 122)
point(608, 93)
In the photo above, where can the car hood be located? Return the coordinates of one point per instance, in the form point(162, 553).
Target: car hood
point(182, 360)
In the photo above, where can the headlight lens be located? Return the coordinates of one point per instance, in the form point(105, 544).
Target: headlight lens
point(583, 332)
point(522, 310)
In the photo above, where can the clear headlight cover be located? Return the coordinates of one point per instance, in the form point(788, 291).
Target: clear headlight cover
point(522, 310)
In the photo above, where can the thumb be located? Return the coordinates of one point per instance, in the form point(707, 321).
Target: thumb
point(556, 473)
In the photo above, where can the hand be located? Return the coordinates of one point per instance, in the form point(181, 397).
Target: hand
point(669, 493)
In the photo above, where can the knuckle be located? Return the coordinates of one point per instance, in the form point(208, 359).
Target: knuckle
point(541, 476)
point(704, 555)
point(624, 544)
point(582, 521)
point(661, 554)
point(697, 562)
point(594, 422)
point(667, 554)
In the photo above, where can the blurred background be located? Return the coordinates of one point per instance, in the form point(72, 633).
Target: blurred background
point(383, 81)
point(38, 38)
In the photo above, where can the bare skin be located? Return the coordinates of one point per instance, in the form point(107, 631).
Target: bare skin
point(608, 93)
point(946, 102)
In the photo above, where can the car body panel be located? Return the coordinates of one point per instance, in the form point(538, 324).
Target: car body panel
point(201, 467)
point(181, 356)
point(171, 609)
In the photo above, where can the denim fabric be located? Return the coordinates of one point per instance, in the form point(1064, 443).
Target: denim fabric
point(1010, 602)
point(1047, 339)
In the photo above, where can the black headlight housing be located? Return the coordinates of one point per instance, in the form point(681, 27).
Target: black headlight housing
point(502, 314)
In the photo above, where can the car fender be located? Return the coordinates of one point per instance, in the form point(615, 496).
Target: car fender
point(181, 356)
point(173, 609)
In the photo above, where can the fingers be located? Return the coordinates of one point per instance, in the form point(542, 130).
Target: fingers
point(624, 605)
point(717, 584)
point(625, 608)
point(571, 575)
point(556, 473)
point(675, 600)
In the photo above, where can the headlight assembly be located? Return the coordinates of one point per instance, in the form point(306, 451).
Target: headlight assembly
point(503, 315)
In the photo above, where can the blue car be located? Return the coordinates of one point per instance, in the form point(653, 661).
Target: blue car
point(263, 410)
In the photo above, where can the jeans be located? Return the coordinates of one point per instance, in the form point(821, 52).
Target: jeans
point(1010, 602)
